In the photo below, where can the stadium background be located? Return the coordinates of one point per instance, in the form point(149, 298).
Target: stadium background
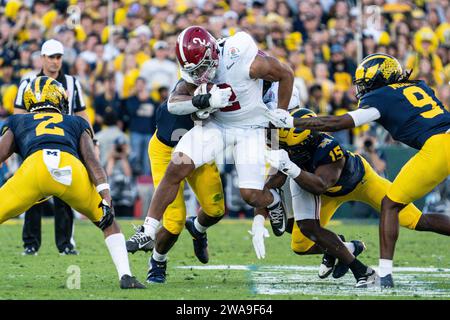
point(123, 54)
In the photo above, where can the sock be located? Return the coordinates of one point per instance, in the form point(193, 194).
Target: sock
point(199, 227)
point(159, 257)
point(385, 267)
point(350, 246)
point(358, 268)
point(118, 251)
point(150, 227)
point(276, 198)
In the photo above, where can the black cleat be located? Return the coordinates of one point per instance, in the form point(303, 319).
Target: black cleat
point(200, 241)
point(129, 282)
point(69, 252)
point(157, 271)
point(140, 241)
point(278, 217)
point(387, 282)
point(30, 251)
point(367, 280)
point(327, 265)
point(341, 269)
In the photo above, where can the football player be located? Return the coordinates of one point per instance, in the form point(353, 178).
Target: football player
point(59, 160)
point(413, 115)
point(236, 118)
point(205, 182)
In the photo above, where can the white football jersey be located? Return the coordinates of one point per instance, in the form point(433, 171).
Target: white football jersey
point(271, 97)
point(246, 107)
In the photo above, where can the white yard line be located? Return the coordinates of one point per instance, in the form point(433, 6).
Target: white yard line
point(303, 280)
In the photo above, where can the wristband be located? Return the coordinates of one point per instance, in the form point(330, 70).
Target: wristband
point(201, 101)
point(103, 186)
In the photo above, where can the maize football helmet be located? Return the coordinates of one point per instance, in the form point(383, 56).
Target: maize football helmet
point(45, 93)
point(377, 70)
point(298, 142)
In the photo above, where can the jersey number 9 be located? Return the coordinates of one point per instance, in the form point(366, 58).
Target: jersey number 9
point(425, 100)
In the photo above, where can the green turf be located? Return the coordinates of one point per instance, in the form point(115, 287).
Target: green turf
point(45, 276)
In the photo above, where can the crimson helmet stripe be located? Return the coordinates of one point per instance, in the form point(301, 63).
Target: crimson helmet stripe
point(180, 45)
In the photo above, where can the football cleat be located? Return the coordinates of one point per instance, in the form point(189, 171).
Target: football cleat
point(327, 265)
point(387, 281)
point(199, 240)
point(140, 241)
point(68, 251)
point(278, 217)
point(129, 282)
point(367, 280)
point(157, 271)
point(341, 269)
point(30, 251)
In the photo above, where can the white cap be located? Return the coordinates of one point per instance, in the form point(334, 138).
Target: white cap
point(51, 47)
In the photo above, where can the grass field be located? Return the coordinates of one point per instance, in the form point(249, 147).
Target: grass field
point(233, 272)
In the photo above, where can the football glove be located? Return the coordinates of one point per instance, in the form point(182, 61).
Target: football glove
point(280, 118)
point(108, 215)
point(279, 159)
point(259, 232)
point(219, 97)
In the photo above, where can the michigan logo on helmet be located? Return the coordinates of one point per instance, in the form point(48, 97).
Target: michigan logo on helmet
point(297, 141)
point(45, 93)
point(377, 70)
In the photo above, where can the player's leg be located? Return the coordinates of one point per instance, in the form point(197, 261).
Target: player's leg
point(307, 215)
point(172, 224)
point(64, 226)
point(207, 185)
point(429, 167)
point(250, 164)
point(83, 197)
point(197, 147)
point(160, 155)
point(21, 191)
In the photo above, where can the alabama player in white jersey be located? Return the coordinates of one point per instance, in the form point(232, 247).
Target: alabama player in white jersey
point(236, 121)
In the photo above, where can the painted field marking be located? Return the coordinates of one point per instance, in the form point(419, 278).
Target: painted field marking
point(303, 280)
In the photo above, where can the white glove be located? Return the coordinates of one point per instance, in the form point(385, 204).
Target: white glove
point(279, 159)
point(219, 98)
point(280, 118)
point(259, 232)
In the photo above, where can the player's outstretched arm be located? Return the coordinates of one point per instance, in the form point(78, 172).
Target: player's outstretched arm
point(7, 145)
point(270, 69)
point(326, 123)
point(93, 166)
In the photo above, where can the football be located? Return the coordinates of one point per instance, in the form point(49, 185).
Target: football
point(204, 88)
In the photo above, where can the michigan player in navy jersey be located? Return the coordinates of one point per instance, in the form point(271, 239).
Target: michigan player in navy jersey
point(205, 182)
point(59, 160)
point(413, 115)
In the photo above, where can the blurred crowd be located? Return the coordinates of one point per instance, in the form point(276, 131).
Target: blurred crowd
point(123, 54)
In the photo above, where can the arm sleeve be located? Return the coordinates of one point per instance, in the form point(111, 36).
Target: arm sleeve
point(78, 100)
point(18, 103)
point(363, 116)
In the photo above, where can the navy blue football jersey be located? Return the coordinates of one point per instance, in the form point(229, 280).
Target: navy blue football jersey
point(171, 127)
point(327, 150)
point(37, 131)
point(410, 111)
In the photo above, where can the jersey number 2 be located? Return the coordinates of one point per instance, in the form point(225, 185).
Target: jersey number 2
point(43, 128)
point(411, 94)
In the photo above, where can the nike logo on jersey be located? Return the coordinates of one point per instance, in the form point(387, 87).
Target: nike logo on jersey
point(228, 67)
